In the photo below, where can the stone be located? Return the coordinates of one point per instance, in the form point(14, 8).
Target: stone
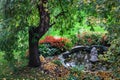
point(70, 64)
point(79, 58)
point(66, 54)
point(101, 49)
point(94, 55)
point(62, 60)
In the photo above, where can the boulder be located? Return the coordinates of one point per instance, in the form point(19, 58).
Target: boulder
point(94, 55)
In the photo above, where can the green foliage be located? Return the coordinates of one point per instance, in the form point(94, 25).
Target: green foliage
point(48, 50)
point(71, 77)
point(13, 23)
point(114, 51)
point(89, 38)
point(9, 28)
point(58, 62)
point(68, 45)
point(113, 27)
point(77, 69)
point(75, 72)
point(67, 18)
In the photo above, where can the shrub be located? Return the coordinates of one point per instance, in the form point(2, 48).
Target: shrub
point(50, 45)
point(91, 38)
point(114, 51)
point(76, 73)
point(60, 43)
point(47, 50)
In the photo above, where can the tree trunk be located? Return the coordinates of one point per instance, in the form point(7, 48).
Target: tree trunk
point(36, 33)
point(33, 50)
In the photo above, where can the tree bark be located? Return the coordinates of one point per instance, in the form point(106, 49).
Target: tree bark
point(36, 33)
point(33, 50)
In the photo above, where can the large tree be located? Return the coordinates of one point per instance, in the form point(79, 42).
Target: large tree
point(38, 16)
point(37, 32)
point(44, 9)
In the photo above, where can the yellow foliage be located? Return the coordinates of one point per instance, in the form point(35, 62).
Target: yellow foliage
point(104, 74)
point(42, 59)
point(50, 67)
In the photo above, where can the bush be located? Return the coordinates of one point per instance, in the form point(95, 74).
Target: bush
point(60, 43)
point(50, 46)
point(90, 38)
point(114, 52)
point(47, 50)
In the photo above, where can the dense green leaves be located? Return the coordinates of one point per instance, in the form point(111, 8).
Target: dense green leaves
point(48, 50)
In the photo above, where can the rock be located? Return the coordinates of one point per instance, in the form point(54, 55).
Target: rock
point(101, 49)
point(94, 55)
point(66, 54)
point(79, 58)
point(70, 64)
point(62, 60)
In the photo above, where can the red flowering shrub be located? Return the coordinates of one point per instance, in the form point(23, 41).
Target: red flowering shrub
point(55, 42)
